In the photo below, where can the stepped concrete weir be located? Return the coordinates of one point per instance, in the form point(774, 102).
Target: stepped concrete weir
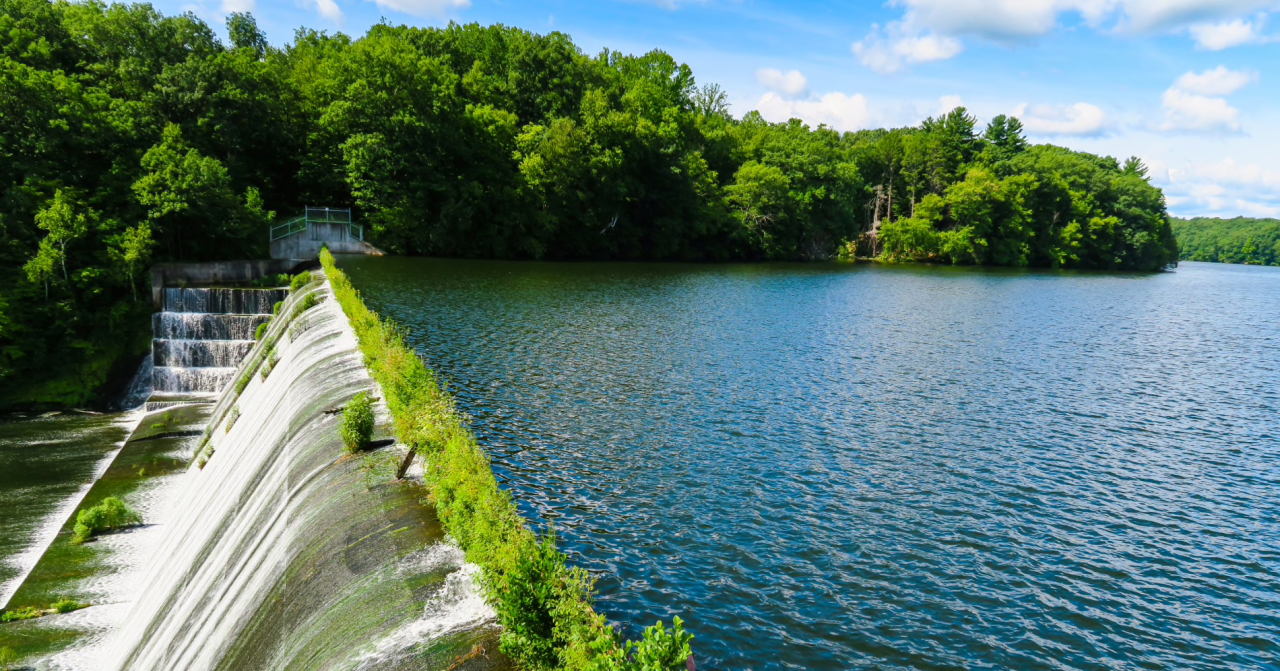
point(202, 335)
point(264, 545)
point(281, 551)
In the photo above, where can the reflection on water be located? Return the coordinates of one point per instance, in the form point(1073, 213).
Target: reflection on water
point(46, 465)
point(833, 467)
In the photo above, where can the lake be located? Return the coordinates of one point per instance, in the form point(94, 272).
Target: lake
point(834, 466)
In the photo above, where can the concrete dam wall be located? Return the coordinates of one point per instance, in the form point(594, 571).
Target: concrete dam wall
point(283, 552)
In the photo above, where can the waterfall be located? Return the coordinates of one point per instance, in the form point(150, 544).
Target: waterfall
point(203, 334)
point(139, 387)
point(280, 552)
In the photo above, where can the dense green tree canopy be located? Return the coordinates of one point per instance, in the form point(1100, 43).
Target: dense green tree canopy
point(1238, 240)
point(128, 137)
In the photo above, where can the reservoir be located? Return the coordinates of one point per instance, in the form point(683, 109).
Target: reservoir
point(863, 466)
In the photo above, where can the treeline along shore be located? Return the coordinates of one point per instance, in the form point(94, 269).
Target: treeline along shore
point(129, 137)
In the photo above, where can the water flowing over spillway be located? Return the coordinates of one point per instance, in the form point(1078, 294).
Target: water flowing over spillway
point(283, 553)
point(273, 550)
point(203, 334)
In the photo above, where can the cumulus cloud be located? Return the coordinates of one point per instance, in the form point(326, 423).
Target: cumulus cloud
point(328, 9)
point(1194, 103)
point(426, 9)
point(1217, 82)
point(1196, 113)
point(836, 110)
point(887, 51)
point(790, 84)
point(1219, 36)
point(1213, 23)
point(230, 6)
point(1078, 119)
point(1226, 187)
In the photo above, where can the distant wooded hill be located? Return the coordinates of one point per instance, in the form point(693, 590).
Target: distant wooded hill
point(1238, 240)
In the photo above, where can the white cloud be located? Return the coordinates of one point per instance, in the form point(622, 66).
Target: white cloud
point(1079, 119)
point(1219, 36)
point(230, 6)
point(790, 84)
point(328, 9)
point(1226, 187)
point(948, 103)
point(1194, 103)
point(1196, 113)
point(889, 50)
point(836, 110)
point(1217, 82)
point(1211, 22)
point(426, 9)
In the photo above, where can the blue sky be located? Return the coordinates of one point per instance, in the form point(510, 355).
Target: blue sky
point(1187, 85)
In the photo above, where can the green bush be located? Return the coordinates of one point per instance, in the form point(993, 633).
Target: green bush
point(357, 423)
point(300, 280)
point(309, 301)
point(110, 514)
point(275, 309)
point(24, 613)
point(529, 583)
point(232, 418)
point(68, 605)
point(262, 330)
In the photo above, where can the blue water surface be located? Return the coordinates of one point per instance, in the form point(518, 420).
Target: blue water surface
point(857, 467)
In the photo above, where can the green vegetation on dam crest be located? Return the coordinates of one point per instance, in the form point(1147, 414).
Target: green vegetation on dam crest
point(544, 607)
point(466, 141)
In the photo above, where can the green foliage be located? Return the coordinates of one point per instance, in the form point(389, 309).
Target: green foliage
point(19, 614)
point(261, 331)
point(661, 650)
point(1239, 240)
point(110, 514)
point(300, 280)
point(232, 418)
point(543, 605)
point(309, 301)
point(275, 309)
point(357, 423)
point(471, 141)
point(67, 605)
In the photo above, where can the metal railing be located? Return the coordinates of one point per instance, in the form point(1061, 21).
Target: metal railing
point(317, 215)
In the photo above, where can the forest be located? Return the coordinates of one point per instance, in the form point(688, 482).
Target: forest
point(1239, 240)
point(128, 138)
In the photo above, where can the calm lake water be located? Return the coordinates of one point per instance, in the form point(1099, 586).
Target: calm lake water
point(836, 467)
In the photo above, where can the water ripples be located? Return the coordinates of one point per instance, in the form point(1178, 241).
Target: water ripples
point(833, 467)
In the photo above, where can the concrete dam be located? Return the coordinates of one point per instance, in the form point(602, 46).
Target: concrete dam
point(263, 545)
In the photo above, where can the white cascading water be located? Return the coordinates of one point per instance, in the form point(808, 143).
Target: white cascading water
point(283, 553)
point(203, 334)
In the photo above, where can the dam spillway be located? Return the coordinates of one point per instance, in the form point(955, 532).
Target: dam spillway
point(202, 335)
point(264, 545)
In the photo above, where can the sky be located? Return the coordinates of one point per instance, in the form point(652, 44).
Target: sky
point(1188, 86)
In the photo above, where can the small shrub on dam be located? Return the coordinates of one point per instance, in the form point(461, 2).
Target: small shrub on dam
point(300, 280)
point(262, 330)
point(232, 418)
point(67, 605)
point(543, 605)
point(108, 515)
point(309, 301)
point(357, 423)
point(275, 309)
